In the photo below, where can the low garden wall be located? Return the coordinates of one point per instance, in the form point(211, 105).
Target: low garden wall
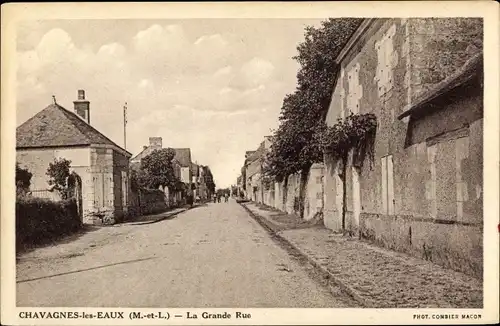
point(40, 220)
point(453, 245)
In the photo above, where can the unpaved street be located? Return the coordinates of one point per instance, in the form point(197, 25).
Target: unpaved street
point(211, 256)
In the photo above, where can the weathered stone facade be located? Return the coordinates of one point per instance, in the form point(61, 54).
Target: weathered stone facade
point(426, 180)
point(102, 169)
point(313, 200)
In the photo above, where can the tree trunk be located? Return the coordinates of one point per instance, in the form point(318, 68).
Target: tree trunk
point(285, 192)
point(302, 190)
point(344, 191)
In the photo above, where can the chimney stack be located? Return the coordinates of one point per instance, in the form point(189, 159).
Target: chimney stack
point(82, 106)
point(155, 142)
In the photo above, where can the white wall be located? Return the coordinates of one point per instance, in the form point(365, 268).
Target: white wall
point(185, 175)
point(313, 200)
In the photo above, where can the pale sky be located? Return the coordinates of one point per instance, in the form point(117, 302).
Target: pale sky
point(213, 85)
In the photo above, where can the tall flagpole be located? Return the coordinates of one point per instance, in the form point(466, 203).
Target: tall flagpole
point(125, 126)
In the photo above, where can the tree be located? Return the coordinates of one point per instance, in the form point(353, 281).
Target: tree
point(297, 142)
point(23, 180)
point(244, 175)
point(157, 170)
point(58, 172)
point(209, 180)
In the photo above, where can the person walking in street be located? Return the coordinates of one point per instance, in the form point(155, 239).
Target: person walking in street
point(226, 197)
point(215, 198)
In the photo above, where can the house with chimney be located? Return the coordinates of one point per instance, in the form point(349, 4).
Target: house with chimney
point(253, 174)
point(184, 169)
point(102, 165)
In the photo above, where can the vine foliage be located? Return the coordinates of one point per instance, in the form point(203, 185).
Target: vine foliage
point(355, 133)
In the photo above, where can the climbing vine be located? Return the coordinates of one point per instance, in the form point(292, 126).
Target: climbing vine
point(355, 133)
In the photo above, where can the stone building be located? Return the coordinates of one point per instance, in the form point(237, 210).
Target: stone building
point(184, 169)
point(198, 182)
point(253, 172)
point(155, 143)
point(422, 78)
point(101, 164)
point(239, 186)
point(244, 180)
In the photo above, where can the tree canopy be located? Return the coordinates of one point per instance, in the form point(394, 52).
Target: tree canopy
point(209, 179)
point(58, 173)
point(23, 179)
point(157, 170)
point(297, 144)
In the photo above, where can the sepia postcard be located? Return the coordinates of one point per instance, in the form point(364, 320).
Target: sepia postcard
point(250, 163)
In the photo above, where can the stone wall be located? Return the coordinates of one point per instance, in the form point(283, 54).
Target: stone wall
point(278, 196)
point(121, 185)
point(440, 243)
point(104, 172)
point(313, 201)
point(425, 167)
point(37, 162)
point(437, 47)
point(101, 202)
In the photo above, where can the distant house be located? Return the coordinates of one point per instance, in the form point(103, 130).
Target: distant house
point(183, 158)
point(198, 181)
point(253, 171)
point(101, 164)
point(183, 167)
point(207, 184)
point(239, 186)
point(155, 143)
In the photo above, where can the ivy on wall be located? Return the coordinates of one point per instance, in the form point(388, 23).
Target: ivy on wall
point(355, 133)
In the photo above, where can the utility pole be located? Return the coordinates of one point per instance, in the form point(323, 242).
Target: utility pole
point(125, 126)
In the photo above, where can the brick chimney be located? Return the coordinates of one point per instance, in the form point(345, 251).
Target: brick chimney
point(82, 106)
point(155, 142)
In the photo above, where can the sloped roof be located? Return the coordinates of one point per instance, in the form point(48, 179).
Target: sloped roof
point(183, 156)
point(55, 126)
point(145, 152)
point(139, 156)
point(257, 153)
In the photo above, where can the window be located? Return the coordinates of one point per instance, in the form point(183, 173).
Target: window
point(387, 185)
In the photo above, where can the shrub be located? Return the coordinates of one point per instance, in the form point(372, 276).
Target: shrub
point(153, 201)
point(23, 180)
point(40, 220)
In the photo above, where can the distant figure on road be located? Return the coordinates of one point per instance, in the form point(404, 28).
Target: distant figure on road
point(215, 198)
point(226, 197)
point(190, 200)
